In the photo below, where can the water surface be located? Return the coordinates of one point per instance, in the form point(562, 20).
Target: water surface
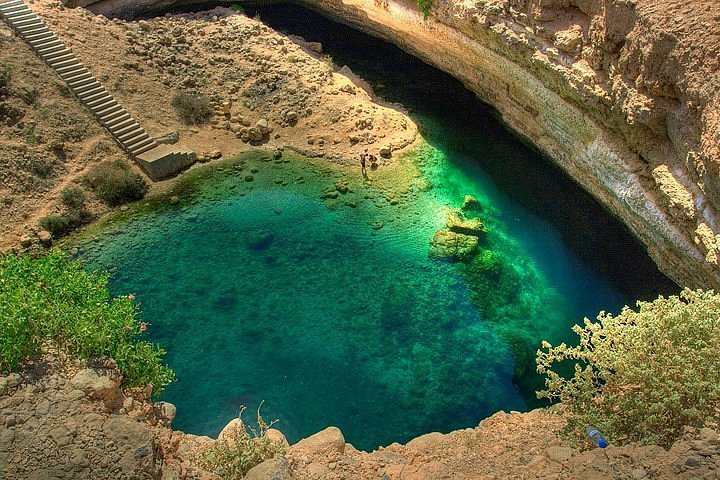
point(331, 310)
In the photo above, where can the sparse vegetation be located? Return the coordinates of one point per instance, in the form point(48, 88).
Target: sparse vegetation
point(236, 7)
point(40, 166)
point(643, 375)
point(73, 198)
point(193, 109)
point(5, 73)
point(51, 299)
point(233, 456)
point(57, 225)
point(115, 183)
point(425, 6)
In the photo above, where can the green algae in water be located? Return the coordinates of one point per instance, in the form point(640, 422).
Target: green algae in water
point(330, 310)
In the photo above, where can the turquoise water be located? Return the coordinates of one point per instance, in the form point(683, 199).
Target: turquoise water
point(331, 311)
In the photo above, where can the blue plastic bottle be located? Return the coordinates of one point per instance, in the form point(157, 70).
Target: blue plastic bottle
point(596, 437)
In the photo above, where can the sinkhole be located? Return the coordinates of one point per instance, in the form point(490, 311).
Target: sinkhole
point(331, 310)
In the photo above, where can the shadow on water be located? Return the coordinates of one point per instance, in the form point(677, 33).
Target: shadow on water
point(452, 118)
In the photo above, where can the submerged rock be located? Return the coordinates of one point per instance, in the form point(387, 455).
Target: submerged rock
point(457, 222)
point(453, 245)
point(259, 240)
point(471, 203)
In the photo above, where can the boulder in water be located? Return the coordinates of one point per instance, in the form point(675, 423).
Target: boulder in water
point(453, 245)
point(457, 222)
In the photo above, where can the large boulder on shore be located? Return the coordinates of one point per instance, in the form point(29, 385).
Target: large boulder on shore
point(325, 441)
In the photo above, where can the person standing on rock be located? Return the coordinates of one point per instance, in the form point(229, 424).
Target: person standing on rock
point(363, 157)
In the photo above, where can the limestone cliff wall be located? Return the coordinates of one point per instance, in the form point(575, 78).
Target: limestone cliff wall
point(624, 95)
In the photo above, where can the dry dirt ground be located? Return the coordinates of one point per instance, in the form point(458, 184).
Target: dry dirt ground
point(250, 73)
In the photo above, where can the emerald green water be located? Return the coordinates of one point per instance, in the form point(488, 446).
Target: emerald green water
point(331, 310)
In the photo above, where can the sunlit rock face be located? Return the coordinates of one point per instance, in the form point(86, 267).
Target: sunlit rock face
point(623, 95)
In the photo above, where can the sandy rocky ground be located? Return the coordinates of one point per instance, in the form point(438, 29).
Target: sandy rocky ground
point(60, 420)
point(254, 77)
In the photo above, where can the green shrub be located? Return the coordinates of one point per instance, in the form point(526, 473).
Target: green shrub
point(193, 109)
point(233, 456)
point(236, 7)
point(114, 183)
point(5, 73)
point(642, 376)
point(425, 6)
point(73, 198)
point(57, 225)
point(52, 299)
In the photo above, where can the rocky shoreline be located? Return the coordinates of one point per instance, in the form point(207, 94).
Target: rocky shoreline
point(624, 99)
point(61, 420)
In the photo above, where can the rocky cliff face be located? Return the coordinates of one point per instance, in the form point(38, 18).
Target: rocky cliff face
point(623, 95)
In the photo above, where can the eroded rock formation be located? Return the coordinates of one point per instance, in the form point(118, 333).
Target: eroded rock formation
point(623, 95)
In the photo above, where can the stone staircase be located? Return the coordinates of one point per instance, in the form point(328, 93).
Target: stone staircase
point(127, 131)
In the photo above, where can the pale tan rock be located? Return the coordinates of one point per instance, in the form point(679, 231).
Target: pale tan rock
point(678, 199)
point(99, 384)
point(427, 442)
point(235, 428)
point(276, 436)
point(277, 468)
point(325, 441)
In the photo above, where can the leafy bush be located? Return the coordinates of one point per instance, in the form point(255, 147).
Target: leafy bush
point(642, 375)
point(193, 109)
point(57, 225)
point(236, 7)
point(73, 198)
point(5, 73)
point(52, 299)
point(233, 456)
point(114, 182)
point(425, 6)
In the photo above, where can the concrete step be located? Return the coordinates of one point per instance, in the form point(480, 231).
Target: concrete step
point(95, 95)
point(37, 38)
point(139, 140)
point(85, 85)
point(66, 62)
point(84, 81)
point(19, 15)
point(54, 53)
point(113, 119)
point(26, 22)
point(12, 3)
point(31, 32)
point(43, 35)
point(120, 122)
point(73, 74)
point(101, 105)
point(137, 136)
point(29, 29)
point(131, 132)
point(108, 110)
point(88, 92)
point(143, 147)
point(49, 48)
point(121, 133)
point(60, 58)
point(71, 71)
point(14, 8)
